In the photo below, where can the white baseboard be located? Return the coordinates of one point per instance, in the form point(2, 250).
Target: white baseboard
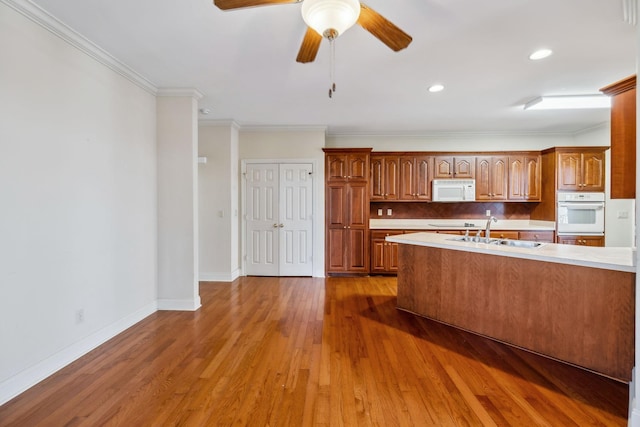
point(219, 277)
point(17, 384)
point(179, 304)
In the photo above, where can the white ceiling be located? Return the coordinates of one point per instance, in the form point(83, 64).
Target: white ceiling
point(244, 61)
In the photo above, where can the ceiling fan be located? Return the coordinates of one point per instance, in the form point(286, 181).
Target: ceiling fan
point(330, 18)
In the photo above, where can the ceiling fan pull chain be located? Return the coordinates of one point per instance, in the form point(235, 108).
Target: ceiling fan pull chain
point(332, 60)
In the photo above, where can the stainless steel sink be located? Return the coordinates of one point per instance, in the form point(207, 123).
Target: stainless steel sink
point(519, 243)
point(500, 242)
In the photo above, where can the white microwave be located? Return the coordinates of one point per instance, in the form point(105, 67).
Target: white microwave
point(454, 190)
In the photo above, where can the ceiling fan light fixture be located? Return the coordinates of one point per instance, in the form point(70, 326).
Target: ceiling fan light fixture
point(328, 17)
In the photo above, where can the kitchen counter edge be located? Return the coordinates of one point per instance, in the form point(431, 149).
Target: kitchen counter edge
point(607, 258)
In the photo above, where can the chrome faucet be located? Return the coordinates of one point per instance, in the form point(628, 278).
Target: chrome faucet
point(487, 231)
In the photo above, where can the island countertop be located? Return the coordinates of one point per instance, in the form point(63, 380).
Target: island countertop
point(608, 258)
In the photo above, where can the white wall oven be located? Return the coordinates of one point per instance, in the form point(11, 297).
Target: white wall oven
point(581, 213)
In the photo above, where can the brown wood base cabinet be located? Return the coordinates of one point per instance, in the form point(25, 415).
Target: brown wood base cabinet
point(581, 240)
point(580, 315)
point(384, 255)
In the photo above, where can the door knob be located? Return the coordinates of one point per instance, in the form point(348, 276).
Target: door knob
point(281, 225)
point(275, 225)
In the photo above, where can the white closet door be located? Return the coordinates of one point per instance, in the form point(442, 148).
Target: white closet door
point(262, 226)
point(295, 216)
point(279, 202)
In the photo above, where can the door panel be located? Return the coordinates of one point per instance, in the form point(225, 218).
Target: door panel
point(262, 220)
point(295, 207)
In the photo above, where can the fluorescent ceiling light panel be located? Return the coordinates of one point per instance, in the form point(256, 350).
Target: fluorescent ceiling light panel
point(540, 54)
point(568, 102)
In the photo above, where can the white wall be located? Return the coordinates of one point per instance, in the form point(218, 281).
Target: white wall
point(298, 144)
point(218, 202)
point(77, 202)
point(177, 141)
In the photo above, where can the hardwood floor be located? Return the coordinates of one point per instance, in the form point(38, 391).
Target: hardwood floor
point(301, 352)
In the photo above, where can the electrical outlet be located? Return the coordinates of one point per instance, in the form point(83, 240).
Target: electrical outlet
point(80, 316)
point(389, 212)
point(488, 212)
point(379, 212)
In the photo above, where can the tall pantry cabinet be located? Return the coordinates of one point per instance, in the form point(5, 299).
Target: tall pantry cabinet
point(347, 210)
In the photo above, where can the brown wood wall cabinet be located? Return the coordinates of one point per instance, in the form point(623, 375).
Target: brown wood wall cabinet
point(385, 177)
point(415, 178)
point(347, 210)
point(524, 177)
point(623, 137)
point(508, 176)
point(581, 170)
point(454, 167)
point(492, 177)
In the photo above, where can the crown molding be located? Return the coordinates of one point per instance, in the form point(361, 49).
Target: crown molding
point(49, 22)
point(218, 123)
point(178, 91)
point(264, 128)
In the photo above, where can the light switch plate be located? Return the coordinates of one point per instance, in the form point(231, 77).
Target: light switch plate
point(389, 212)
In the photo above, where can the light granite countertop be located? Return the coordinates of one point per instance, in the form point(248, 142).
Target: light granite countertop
point(608, 258)
point(460, 224)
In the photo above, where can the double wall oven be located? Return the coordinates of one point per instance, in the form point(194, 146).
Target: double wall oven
point(581, 213)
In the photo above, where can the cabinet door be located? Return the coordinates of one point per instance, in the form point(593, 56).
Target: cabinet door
point(391, 177)
point(376, 183)
point(443, 167)
point(336, 251)
point(377, 254)
point(423, 166)
point(358, 250)
point(336, 208)
point(358, 167)
point(516, 178)
point(592, 171)
point(407, 178)
point(569, 171)
point(532, 179)
point(464, 167)
point(483, 178)
point(336, 169)
point(358, 205)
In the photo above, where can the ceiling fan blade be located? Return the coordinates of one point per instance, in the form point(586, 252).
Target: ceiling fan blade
point(383, 29)
point(309, 47)
point(238, 4)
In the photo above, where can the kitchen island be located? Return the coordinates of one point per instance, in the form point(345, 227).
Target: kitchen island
point(574, 304)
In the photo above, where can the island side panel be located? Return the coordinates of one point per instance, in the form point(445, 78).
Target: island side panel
point(581, 315)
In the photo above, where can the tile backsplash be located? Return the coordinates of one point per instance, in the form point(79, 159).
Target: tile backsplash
point(418, 210)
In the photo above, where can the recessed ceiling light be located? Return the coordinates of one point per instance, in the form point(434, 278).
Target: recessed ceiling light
point(540, 54)
point(568, 102)
point(436, 88)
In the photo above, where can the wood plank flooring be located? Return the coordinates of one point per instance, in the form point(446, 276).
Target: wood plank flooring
point(312, 352)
